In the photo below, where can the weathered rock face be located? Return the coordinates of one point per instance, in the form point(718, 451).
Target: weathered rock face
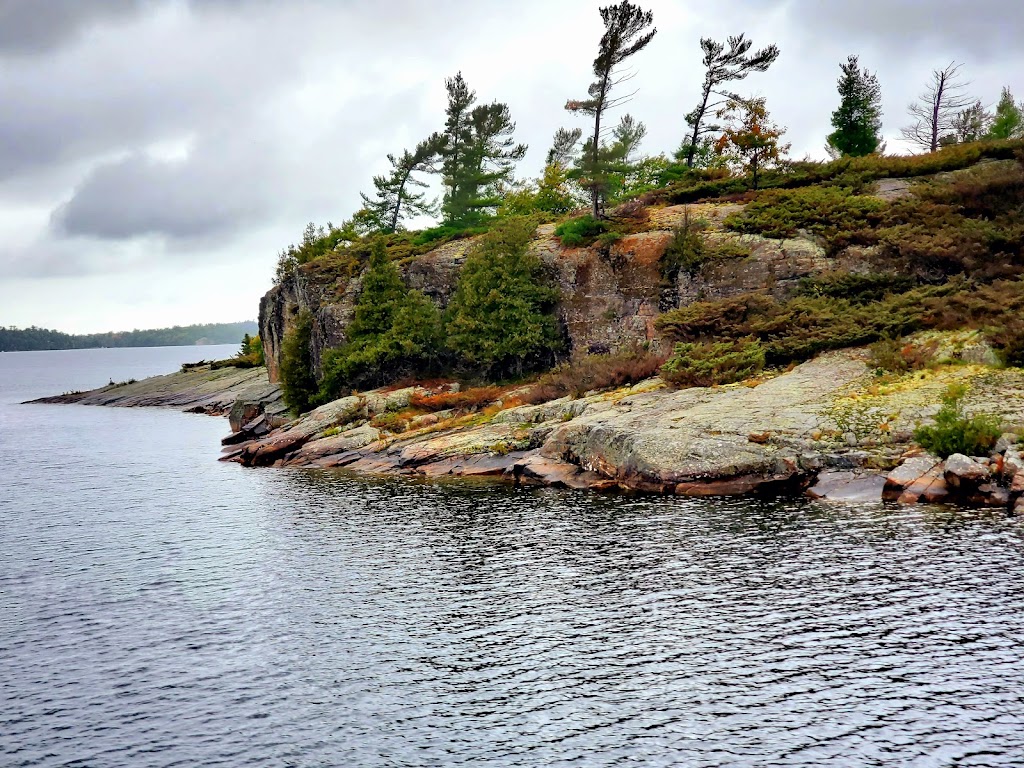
point(694, 442)
point(610, 295)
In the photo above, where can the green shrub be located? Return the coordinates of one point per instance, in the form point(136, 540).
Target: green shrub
point(899, 356)
point(686, 251)
point(798, 329)
point(1008, 339)
point(298, 385)
point(395, 333)
point(704, 364)
point(582, 231)
point(501, 320)
point(954, 432)
point(856, 174)
point(858, 288)
point(446, 232)
point(824, 211)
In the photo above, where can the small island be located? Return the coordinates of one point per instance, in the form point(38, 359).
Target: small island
point(725, 320)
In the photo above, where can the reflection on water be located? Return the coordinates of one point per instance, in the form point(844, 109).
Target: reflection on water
point(160, 609)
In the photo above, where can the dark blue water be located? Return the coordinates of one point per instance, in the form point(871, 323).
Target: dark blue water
point(158, 608)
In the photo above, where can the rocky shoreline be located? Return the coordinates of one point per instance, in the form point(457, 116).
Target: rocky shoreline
point(826, 428)
point(199, 389)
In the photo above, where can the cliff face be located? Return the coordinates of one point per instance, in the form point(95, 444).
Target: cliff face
point(610, 296)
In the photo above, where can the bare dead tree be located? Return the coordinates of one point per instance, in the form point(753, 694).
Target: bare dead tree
point(936, 109)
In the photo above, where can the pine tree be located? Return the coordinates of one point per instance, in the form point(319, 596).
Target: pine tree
point(723, 66)
point(617, 159)
point(395, 200)
point(1008, 121)
point(501, 318)
point(626, 32)
point(970, 124)
point(298, 386)
point(478, 153)
point(857, 121)
point(563, 146)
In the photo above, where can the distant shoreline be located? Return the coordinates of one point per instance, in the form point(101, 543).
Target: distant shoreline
point(35, 339)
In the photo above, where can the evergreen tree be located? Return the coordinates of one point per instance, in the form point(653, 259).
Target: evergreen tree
point(395, 332)
point(478, 152)
point(457, 134)
point(298, 385)
point(395, 199)
point(722, 66)
point(970, 124)
point(501, 318)
point(617, 159)
point(626, 32)
point(563, 146)
point(1008, 121)
point(857, 121)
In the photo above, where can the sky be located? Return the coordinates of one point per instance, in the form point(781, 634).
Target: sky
point(156, 155)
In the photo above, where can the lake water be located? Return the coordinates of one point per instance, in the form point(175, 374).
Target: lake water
point(158, 608)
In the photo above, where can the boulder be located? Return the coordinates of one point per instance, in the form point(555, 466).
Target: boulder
point(990, 495)
point(936, 493)
point(964, 472)
point(1013, 463)
point(911, 479)
point(1004, 442)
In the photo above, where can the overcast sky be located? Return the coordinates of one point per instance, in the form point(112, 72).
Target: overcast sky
point(155, 155)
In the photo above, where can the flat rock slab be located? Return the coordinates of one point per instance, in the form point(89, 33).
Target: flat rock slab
point(848, 487)
point(201, 390)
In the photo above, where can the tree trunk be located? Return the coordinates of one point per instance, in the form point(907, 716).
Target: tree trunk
point(936, 110)
point(692, 150)
point(395, 217)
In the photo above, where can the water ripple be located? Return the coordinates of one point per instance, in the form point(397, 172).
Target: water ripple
point(165, 610)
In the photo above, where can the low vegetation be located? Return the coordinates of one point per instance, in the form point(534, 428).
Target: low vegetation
point(797, 329)
point(955, 432)
point(595, 372)
point(704, 364)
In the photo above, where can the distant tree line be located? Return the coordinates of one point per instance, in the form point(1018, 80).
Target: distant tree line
point(33, 338)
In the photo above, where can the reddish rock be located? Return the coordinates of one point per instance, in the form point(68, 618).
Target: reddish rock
point(735, 486)
point(911, 479)
point(990, 495)
point(936, 493)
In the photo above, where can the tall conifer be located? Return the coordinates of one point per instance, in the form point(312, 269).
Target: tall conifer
point(858, 120)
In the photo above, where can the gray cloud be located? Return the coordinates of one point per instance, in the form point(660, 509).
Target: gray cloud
point(141, 196)
point(37, 26)
point(980, 30)
point(183, 136)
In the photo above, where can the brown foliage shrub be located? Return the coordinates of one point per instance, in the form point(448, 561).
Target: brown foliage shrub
point(595, 372)
point(898, 356)
point(465, 400)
